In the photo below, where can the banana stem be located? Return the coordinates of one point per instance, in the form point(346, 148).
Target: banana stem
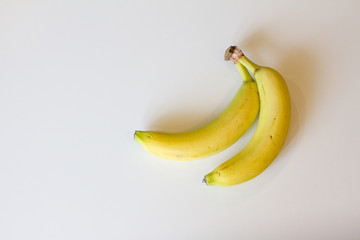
point(252, 67)
point(245, 75)
point(235, 54)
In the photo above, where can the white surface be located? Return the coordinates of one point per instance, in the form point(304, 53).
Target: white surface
point(78, 77)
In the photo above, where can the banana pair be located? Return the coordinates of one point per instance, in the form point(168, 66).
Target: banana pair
point(268, 95)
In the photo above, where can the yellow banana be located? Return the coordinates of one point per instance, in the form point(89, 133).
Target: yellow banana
point(270, 134)
point(214, 137)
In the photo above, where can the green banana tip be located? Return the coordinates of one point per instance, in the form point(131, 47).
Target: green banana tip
point(136, 136)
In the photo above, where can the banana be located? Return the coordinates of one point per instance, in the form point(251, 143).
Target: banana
point(214, 137)
point(271, 131)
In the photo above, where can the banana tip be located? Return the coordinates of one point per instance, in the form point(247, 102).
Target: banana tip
point(204, 181)
point(136, 136)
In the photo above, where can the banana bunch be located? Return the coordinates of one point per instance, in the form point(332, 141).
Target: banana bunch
point(269, 93)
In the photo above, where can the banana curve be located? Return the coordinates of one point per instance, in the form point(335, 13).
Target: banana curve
point(212, 138)
point(269, 136)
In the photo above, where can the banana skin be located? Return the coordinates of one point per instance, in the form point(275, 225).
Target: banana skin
point(269, 136)
point(214, 137)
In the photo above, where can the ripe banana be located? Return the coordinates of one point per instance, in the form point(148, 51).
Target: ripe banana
point(270, 134)
point(214, 137)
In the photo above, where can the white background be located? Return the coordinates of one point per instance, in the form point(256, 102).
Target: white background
point(78, 77)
